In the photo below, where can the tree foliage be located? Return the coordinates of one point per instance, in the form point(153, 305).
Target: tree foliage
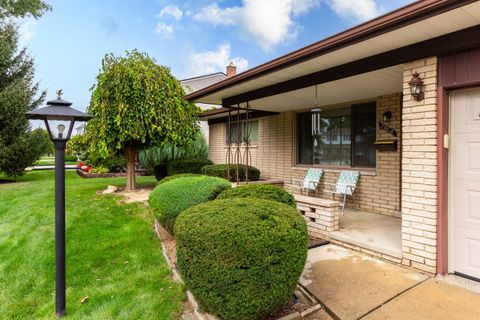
point(23, 8)
point(18, 94)
point(137, 104)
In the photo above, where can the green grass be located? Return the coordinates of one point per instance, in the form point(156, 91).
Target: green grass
point(113, 256)
point(50, 161)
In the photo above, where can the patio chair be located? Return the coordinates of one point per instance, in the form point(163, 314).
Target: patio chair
point(309, 183)
point(345, 186)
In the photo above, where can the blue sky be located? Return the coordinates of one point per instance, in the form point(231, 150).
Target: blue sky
point(191, 37)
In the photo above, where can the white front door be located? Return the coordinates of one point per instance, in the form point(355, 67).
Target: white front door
point(465, 182)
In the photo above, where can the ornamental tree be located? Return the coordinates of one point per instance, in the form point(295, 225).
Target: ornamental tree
point(138, 104)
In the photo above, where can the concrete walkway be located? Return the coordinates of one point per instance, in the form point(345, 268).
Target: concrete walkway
point(67, 167)
point(354, 286)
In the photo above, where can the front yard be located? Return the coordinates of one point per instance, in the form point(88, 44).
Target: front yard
point(113, 256)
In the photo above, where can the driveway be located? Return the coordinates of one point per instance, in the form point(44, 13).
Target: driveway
point(355, 286)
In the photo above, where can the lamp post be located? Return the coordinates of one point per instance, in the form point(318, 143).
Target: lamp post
point(59, 116)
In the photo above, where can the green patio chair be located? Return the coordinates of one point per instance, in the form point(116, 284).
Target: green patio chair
point(309, 183)
point(345, 186)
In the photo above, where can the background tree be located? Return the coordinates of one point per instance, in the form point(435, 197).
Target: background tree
point(137, 104)
point(23, 8)
point(18, 94)
point(40, 143)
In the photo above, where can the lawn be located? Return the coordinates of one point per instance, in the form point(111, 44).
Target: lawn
point(50, 161)
point(113, 256)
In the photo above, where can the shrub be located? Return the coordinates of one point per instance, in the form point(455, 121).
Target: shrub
point(169, 199)
point(160, 171)
point(261, 191)
point(99, 170)
point(186, 166)
point(70, 158)
point(176, 176)
point(241, 258)
point(220, 170)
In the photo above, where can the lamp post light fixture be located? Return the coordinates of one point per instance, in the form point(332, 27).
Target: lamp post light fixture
point(416, 87)
point(58, 116)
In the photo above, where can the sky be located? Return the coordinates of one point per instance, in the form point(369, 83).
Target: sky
point(192, 37)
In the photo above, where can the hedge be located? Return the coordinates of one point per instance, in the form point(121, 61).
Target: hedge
point(70, 158)
point(176, 176)
point(186, 166)
point(242, 257)
point(261, 191)
point(169, 199)
point(220, 170)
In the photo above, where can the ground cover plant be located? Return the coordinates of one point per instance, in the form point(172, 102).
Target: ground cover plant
point(169, 199)
point(241, 257)
point(113, 256)
point(261, 191)
point(220, 170)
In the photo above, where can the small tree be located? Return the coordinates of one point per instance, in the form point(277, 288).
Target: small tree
point(137, 104)
point(18, 94)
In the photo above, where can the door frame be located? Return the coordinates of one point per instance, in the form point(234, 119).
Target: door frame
point(444, 228)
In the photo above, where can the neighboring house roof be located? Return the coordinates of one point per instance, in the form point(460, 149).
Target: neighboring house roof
point(197, 83)
point(384, 42)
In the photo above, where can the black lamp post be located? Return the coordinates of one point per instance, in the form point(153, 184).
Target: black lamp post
point(58, 116)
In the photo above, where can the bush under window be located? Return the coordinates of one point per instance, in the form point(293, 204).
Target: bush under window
point(220, 170)
point(169, 199)
point(186, 166)
point(241, 257)
point(261, 191)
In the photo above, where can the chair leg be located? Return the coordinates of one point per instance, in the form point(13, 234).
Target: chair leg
point(344, 202)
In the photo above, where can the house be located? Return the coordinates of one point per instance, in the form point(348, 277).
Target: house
point(191, 85)
point(409, 79)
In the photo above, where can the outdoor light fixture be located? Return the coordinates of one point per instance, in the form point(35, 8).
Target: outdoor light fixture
point(316, 122)
point(58, 116)
point(386, 116)
point(416, 87)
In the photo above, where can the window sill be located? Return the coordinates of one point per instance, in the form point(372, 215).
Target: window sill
point(337, 169)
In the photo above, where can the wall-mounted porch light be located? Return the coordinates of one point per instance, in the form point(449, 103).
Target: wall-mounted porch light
point(416, 87)
point(386, 116)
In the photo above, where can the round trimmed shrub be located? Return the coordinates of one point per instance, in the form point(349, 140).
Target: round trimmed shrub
point(241, 257)
point(220, 170)
point(261, 191)
point(186, 166)
point(176, 176)
point(169, 199)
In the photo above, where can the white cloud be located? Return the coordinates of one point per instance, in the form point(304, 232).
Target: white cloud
point(165, 30)
point(171, 11)
point(25, 31)
point(267, 22)
point(201, 63)
point(359, 10)
point(215, 15)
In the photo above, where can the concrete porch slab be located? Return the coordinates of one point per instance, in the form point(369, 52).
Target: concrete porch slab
point(352, 284)
point(434, 300)
point(371, 231)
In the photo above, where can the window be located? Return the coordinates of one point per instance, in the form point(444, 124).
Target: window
point(342, 137)
point(252, 133)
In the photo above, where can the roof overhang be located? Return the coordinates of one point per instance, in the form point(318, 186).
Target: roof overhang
point(422, 29)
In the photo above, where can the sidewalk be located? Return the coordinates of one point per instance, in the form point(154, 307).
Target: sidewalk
point(354, 286)
point(67, 167)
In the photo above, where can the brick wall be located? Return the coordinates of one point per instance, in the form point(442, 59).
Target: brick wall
point(419, 169)
point(378, 190)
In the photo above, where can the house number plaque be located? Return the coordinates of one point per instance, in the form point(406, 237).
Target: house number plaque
point(387, 129)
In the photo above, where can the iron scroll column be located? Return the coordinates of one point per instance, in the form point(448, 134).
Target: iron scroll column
point(59, 116)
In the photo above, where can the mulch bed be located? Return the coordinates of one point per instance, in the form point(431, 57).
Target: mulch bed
point(85, 174)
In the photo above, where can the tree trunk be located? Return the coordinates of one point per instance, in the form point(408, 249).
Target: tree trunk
point(130, 156)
